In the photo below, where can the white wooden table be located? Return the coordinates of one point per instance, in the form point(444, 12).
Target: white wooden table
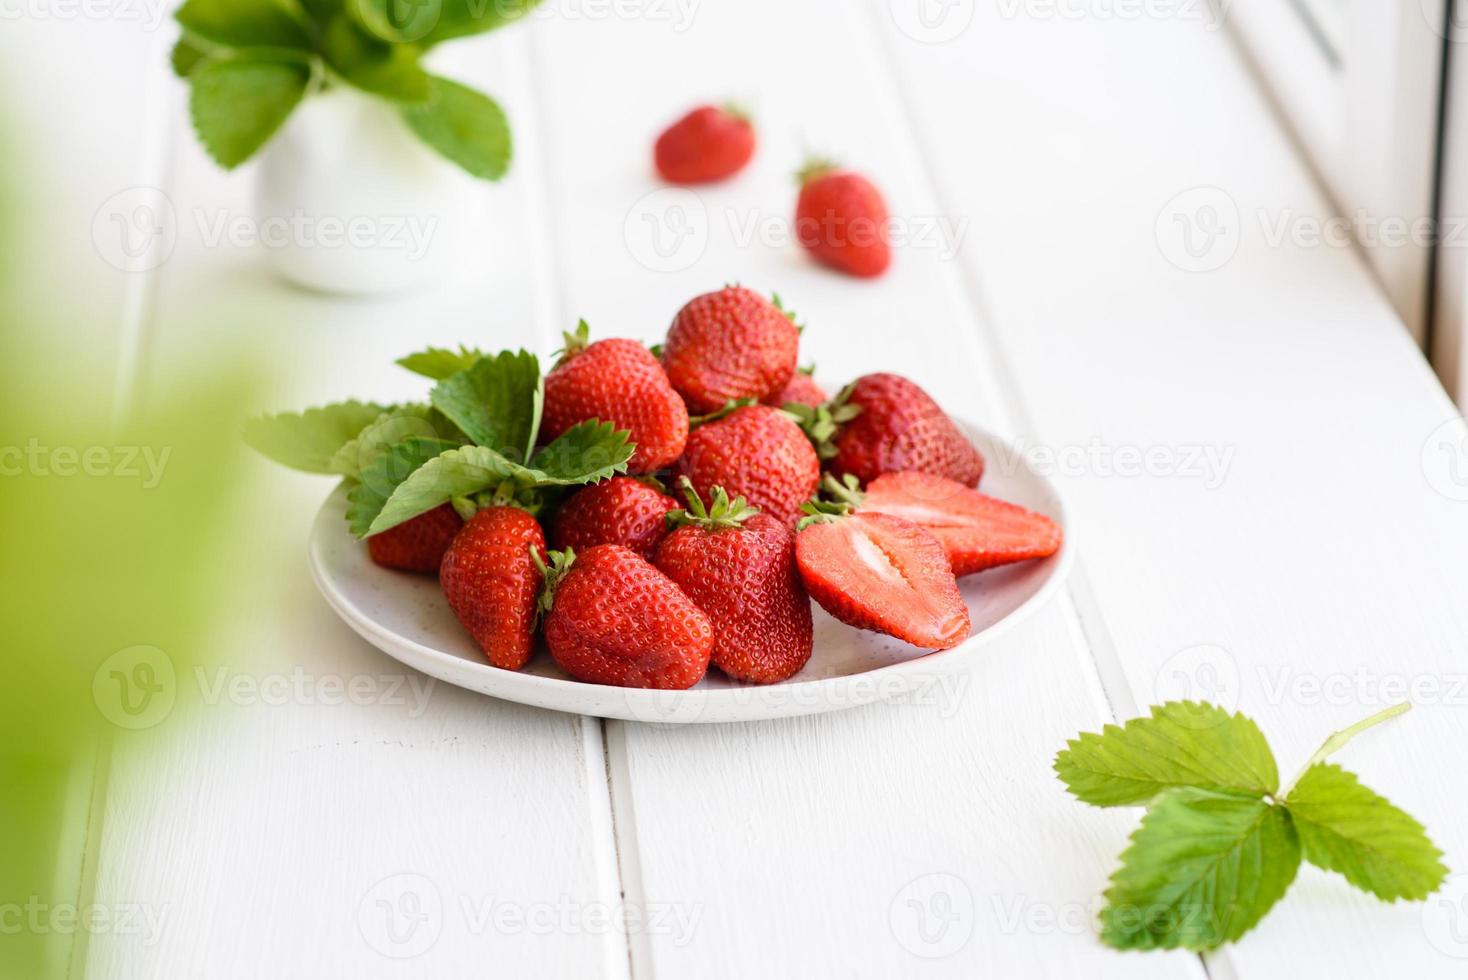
point(1243, 432)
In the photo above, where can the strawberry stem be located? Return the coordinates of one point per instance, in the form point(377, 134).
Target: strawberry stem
point(815, 168)
point(575, 343)
point(552, 574)
point(718, 413)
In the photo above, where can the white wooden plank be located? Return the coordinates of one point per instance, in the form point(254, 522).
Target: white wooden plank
point(804, 842)
point(1333, 539)
point(290, 839)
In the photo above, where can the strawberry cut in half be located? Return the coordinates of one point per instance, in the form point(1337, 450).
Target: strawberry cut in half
point(882, 573)
point(976, 531)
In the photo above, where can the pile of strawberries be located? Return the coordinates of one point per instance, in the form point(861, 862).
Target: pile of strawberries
point(864, 502)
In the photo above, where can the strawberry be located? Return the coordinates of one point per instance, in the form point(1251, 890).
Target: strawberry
point(842, 220)
point(416, 545)
point(729, 345)
point(757, 452)
point(617, 511)
point(878, 572)
point(706, 145)
point(491, 581)
point(738, 566)
point(616, 381)
point(612, 618)
point(884, 423)
point(801, 389)
point(975, 530)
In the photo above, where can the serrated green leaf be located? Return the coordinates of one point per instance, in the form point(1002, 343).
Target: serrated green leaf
point(379, 481)
point(1348, 828)
point(390, 428)
point(365, 62)
point(428, 22)
point(496, 402)
point(1202, 870)
point(439, 363)
point(1183, 743)
point(585, 453)
point(309, 440)
point(244, 23)
point(421, 479)
point(466, 127)
point(237, 104)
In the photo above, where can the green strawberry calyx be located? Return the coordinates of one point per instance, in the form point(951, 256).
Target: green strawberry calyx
point(842, 498)
point(815, 168)
point(553, 568)
point(575, 342)
point(722, 514)
point(821, 423)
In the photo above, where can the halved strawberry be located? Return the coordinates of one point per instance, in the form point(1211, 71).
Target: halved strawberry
point(878, 572)
point(977, 531)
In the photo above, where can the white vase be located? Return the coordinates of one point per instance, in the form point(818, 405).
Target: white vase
point(350, 201)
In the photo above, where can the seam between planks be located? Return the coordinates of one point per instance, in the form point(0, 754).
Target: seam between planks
point(1100, 658)
point(613, 840)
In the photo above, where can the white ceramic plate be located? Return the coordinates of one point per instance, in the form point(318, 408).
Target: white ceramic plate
point(407, 617)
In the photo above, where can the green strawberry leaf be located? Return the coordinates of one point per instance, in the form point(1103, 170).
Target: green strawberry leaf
point(496, 402)
point(244, 23)
point(1183, 743)
point(389, 70)
point(586, 453)
point(428, 22)
point(384, 477)
point(1202, 869)
point(418, 475)
point(1346, 827)
point(187, 54)
point(389, 429)
point(466, 127)
point(237, 104)
point(309, 440)
point(438, 363)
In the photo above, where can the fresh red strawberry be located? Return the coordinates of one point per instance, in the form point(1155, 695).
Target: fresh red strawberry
point(491, 582)
point(617, 511)
point(757, 452)
point(800, 390)
point(706, 145)
point(842, 220)
point(976, 531)
point(884, 423)
point(615, 619)
point(416, 545)
point(878, 572)
point(729, 345)
point(738, 566)
point(616, 381)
